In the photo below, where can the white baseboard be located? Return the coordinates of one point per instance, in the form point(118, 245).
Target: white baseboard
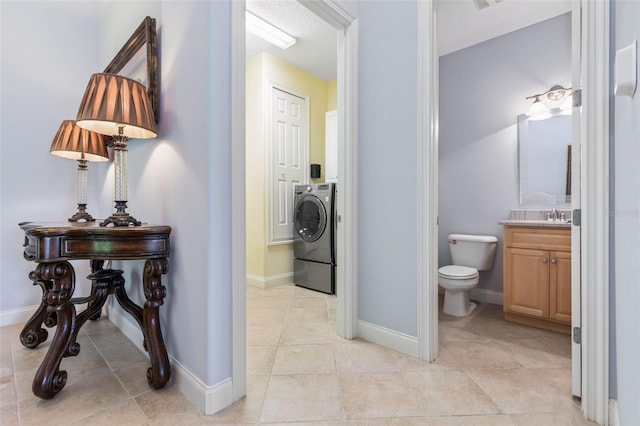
point(613, 413)
point(208, 399)
point(388, 338)
point(130, 329)
point(487, 296)
point(269, 282)
point(17, 316)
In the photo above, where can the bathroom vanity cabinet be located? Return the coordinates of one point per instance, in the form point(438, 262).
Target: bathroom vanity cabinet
point(537, 276)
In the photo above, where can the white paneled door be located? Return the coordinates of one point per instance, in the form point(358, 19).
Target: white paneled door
point(288, 157)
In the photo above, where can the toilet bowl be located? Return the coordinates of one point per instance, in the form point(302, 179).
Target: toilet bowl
point(470, 254)
point(457, 281)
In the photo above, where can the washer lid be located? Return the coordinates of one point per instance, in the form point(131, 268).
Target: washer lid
point(456, 271)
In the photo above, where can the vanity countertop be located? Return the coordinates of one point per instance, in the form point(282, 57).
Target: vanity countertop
point(539, 223)
point(536, 217)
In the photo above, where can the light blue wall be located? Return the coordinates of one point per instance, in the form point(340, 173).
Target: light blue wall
point(183, 177)
point(626, 215)
point(482, 91)
point(387, 165)
point(49, 50)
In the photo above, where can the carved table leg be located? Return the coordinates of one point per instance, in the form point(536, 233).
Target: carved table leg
point(159, 373)
point(49, 380)
point(96, 265)
point(33, 334)
point(134, 310)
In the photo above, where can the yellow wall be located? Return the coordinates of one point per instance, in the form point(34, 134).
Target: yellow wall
point(255, 169)
point(332, 95)
point(263, 70)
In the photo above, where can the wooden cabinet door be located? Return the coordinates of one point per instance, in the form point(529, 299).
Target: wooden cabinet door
point(560, 286)
point(526, 275)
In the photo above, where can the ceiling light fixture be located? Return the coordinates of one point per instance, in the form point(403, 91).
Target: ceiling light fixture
point(268, 32)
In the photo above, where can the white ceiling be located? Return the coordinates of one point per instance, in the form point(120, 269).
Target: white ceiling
point(316, 45)
point(460, 24)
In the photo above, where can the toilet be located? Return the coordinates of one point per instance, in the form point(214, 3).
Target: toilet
point(470, 254)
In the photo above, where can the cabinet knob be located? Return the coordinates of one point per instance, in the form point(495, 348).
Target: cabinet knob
point(554, 260)
point(544, 260)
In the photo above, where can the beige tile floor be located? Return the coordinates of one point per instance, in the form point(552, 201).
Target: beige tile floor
point(489, 372)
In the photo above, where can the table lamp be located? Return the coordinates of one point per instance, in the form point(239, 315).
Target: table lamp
point(79, 144)
point(117, 106)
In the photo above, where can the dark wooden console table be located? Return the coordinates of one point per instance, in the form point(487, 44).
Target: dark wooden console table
point(51, 246)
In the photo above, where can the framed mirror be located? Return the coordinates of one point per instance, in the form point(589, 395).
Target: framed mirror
point(140, 64)
point(544, 156)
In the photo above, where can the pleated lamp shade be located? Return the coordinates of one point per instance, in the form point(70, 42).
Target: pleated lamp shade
point(76, 143)
point(112, 101)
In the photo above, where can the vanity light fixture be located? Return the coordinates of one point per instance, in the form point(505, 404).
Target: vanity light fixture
point(567, 106)
point(538, 110)
point(554, 101)
point(118, 106)
point(268, 31)
point(75, 143)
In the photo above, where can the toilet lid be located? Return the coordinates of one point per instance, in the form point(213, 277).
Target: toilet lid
point(456, 271)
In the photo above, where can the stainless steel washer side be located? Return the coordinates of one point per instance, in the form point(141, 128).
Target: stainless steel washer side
point(314, 237)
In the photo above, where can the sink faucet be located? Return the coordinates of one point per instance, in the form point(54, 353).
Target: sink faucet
point(553, 216)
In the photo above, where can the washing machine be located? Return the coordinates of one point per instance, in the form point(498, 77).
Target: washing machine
point(314, 237)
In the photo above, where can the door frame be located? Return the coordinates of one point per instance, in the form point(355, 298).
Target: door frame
point(427, 185)
point(345, 21)
point(576, 273)
point(594, 204)
point(594, 158)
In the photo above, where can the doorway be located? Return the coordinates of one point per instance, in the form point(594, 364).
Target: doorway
point(497, 162)
point(592, 41)
point(344, 21)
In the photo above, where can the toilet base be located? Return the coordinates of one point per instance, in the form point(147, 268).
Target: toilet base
point(457, 303)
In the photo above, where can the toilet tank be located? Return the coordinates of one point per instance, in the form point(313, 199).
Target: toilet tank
point(474, 251)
